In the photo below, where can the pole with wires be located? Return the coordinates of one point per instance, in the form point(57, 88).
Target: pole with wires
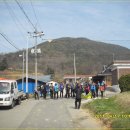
point(74, 68)
point(35, 59)
point(36, 50)
point(27, 68)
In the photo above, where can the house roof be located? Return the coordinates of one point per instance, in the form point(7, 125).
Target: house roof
point(43, 78)
point(77, 76)
point(114, 65)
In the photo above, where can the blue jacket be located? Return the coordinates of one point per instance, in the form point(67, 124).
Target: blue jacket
point(93, 87)
point(56, 88)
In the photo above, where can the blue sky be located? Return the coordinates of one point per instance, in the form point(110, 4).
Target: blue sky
point(101, 20)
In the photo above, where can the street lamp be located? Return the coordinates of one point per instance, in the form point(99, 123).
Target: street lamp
point(23, 70)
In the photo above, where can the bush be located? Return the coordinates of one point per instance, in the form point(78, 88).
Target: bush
point(124, 83)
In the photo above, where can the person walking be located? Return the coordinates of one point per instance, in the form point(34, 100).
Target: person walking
point(72, 90)
point(44, 91)
point(51, 90)
point(93, 89)
point(102, 88)
point(61, 89)
point(67, 90)
point(78, 92)
point(87, 88)
point(97, 88)
point(56, 89)
point(36, 94)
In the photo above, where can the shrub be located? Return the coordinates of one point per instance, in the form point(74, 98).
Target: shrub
point(124, 83)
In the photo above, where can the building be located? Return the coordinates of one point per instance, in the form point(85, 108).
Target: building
point(79, 78)
point(119, 68)
point(112, 73)
point(31, 82)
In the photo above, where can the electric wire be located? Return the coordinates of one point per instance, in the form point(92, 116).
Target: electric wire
point(35, 14)
point(5, 37)
point(4, 45)
point(25, 14)
point(13, 16)
point(22, 9)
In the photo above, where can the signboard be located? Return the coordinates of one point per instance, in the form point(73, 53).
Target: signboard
point(35, 50)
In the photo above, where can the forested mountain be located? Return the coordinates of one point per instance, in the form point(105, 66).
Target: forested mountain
point(58, 56)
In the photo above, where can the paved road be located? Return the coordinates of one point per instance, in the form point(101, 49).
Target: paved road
point(47, 113)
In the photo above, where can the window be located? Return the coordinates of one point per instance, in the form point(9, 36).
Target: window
point(15, 85)
point(12, 86)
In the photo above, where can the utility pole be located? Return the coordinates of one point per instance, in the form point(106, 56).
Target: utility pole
point(74, 68)
point(36, 51)
point(35, 59)
point(23, 73)
point(27, 66)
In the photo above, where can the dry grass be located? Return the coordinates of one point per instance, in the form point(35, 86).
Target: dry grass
point(123, 99)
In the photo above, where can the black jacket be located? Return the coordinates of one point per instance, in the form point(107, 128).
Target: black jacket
point(78, 92)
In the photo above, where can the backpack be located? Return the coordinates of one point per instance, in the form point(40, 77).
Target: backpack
point(92, 87)
point(61, 87)
point(102, 88)
point(56, 88)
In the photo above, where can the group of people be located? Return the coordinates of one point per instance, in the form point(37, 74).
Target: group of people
point(95, 88)
point(71, 90)
point(51, 89)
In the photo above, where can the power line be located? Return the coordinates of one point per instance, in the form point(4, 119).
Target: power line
point(35, 13)
point(25, 14)
point(12, 14)
point(5, 37)
point(4, 45)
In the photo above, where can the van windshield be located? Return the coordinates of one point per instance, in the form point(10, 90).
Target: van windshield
point(4, 87)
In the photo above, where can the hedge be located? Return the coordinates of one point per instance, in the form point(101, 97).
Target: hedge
point(124, 83)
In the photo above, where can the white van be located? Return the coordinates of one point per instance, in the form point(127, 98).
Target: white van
point(9, 94)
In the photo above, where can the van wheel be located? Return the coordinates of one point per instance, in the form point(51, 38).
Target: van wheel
point(13, 104)
point(19, 101)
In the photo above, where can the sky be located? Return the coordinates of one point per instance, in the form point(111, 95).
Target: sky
point(100, 20)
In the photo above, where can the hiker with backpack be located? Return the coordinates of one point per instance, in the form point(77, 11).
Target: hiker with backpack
point(51, 90)
point(44, 91)
point(87, 88)
point(78, 92)
point(102, 88)
point(72, 93)
point(61, 89)
point(36, 93)
point(92, 89)
point(56, 90)
point(67, 90)
point(97, 85)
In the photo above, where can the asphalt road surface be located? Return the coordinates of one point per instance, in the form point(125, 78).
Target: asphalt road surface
point(47, 114)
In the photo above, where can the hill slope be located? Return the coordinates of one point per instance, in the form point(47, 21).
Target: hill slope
point(58, 56)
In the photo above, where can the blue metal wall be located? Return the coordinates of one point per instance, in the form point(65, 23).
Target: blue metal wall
point(31, 86)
